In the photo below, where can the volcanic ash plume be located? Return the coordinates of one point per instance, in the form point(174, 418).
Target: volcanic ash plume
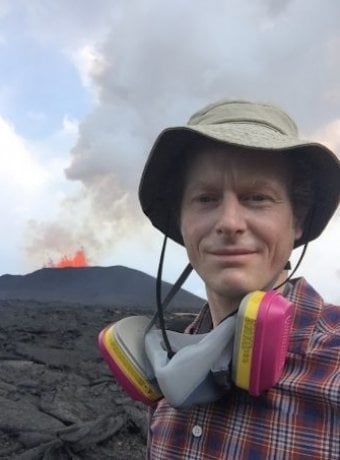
point(149, 74)
point(95, 219)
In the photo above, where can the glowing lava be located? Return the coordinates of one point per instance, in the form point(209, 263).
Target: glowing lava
point(79, 259)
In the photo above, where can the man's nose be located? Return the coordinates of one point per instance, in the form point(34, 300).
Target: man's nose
point(230, 219)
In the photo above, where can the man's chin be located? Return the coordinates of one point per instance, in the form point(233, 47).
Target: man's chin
point(237, 289)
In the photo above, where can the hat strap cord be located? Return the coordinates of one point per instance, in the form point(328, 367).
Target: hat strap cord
point(295, 268)
point(162, 305)
point(308, 225)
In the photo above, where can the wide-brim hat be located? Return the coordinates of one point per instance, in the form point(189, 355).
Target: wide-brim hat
point(253, 126)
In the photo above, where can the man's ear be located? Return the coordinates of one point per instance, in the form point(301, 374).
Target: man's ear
point(298, 230)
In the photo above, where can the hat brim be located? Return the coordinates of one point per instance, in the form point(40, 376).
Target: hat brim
point(172, 142)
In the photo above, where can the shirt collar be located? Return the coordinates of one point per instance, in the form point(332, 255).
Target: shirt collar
point(307, 309)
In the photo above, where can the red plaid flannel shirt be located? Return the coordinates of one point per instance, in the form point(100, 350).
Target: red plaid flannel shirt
point(297, 419)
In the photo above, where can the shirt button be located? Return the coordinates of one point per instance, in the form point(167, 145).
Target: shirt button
point(197, 431)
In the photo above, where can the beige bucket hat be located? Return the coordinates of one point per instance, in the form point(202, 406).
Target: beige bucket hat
point(254, 126)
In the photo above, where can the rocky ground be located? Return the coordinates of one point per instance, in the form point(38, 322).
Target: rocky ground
point(57, 397)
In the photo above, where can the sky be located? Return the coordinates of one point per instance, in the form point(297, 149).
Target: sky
point(86, 86)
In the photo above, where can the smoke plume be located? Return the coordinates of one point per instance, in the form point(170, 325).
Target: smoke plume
point(159, 62)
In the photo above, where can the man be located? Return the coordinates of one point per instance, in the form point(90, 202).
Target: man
point(240, 191)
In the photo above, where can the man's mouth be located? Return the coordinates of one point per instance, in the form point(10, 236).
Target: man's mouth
point(232, 256)
point(233, 252)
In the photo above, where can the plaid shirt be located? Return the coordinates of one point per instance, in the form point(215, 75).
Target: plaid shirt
point(299, 418)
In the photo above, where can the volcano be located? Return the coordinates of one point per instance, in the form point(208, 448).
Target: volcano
point(116, 285)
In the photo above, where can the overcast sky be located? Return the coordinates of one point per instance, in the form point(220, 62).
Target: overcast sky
point(85, 86)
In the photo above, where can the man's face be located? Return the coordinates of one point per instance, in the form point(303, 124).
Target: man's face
point(237, 220)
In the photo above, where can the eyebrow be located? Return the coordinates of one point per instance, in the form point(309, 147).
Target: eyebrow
point(199, 185)
point(263, 182)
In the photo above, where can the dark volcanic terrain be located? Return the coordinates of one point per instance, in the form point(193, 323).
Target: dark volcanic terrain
point(119, 286)
point(58, 399)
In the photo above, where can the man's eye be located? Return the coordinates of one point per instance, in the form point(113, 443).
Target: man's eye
point(256, 198)
point(205, 198)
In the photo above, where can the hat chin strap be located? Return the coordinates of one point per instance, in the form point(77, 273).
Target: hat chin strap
point(308, 225)
point(295, 268)
point(162, 305)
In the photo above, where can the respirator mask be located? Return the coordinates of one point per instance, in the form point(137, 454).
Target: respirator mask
point(247, 349)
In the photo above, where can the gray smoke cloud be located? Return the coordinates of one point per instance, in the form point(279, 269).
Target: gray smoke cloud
point(164, 60)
